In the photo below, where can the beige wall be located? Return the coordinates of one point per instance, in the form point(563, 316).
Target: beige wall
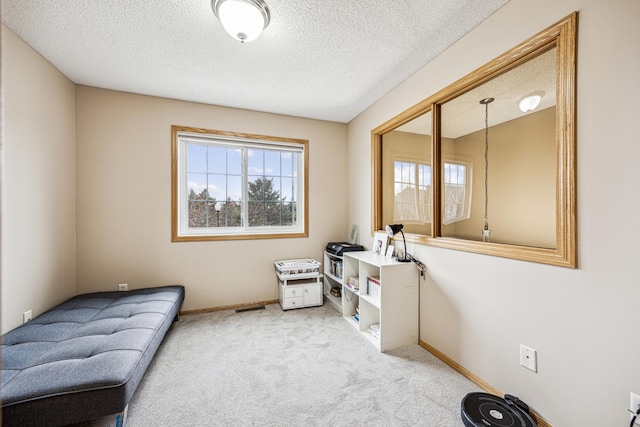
point(583, 322)
point(124, 200)
point(38, 195)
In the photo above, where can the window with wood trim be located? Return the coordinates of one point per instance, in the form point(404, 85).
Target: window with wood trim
point(237, 186)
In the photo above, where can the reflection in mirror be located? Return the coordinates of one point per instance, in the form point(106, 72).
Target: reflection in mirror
point(499, 163)
point(407, 176)
point(507, 165)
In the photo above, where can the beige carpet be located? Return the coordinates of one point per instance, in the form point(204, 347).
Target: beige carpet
point(305, 367)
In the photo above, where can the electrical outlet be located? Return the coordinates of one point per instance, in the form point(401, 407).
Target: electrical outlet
point(123, 287)
point(26, 316)
point(528, 358)
point(634, 404)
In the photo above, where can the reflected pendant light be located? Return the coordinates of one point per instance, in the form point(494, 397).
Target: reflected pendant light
point(486, 233)
point(244, 20)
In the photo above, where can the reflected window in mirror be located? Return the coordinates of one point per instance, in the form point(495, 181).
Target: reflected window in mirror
point(412, 192)
point(456, 193)
point(407, 176)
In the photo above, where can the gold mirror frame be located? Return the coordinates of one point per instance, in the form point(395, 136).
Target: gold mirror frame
point(562, 36)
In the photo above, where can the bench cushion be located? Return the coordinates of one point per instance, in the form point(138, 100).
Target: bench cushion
point(84, 358)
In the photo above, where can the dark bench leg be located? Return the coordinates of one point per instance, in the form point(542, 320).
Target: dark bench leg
point(121, 417)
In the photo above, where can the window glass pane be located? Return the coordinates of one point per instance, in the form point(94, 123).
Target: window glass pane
point(275, 187)
point(196, 158)
point(215, 218)
point(271, 193)
point(461, 175)
point(272, 162)
point(217, 159)
point(218, 187)
point(288, 213)
point(424, 175)
point(407, 173)
point(455, 195)
point(234, 188)
point(272, 215)
point(257, 189)
point(295, 161)
point(294, 196)
point(234, 161)
point(197, 214)
point(288, 168)
point(256, 162)
point(196, 186)
point(233, 214)
point(287, 191)
point(256, 214)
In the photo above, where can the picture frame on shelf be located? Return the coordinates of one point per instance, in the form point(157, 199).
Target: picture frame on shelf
point(354, 234)
point(379, 245)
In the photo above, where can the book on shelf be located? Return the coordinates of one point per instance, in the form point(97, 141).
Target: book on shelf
point(336, 268)
point(373, 287)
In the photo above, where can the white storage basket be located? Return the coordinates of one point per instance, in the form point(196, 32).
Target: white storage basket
point(297, 268)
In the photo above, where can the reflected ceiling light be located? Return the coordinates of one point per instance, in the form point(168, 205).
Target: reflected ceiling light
point(244, 20)
point(530, 102)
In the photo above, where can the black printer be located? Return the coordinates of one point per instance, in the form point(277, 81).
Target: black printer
point(339, 248)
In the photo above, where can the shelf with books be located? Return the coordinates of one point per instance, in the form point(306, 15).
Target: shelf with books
point(333, 280)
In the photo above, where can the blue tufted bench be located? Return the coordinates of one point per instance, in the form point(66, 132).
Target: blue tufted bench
point(84, 358)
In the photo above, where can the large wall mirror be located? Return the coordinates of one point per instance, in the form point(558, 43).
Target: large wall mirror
point(487, 165)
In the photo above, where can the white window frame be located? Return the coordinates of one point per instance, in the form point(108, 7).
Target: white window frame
point(182, 136)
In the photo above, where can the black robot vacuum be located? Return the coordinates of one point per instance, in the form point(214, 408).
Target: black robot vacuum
point(487, 410)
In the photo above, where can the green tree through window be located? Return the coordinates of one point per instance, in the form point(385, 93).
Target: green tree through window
point(266, 206)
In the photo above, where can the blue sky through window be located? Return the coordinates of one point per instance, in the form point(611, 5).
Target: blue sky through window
point(219, 169)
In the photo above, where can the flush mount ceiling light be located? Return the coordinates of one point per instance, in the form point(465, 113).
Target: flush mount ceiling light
point(530, 102)
point(244, 20)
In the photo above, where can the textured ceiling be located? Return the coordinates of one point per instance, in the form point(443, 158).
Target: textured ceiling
point(464, 114)
point(327, 60)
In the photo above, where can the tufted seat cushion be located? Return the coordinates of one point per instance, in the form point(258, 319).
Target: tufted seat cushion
point(84, 358)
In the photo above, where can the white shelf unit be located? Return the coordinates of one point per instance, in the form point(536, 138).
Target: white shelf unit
point(333, 278)
point(396, 308)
